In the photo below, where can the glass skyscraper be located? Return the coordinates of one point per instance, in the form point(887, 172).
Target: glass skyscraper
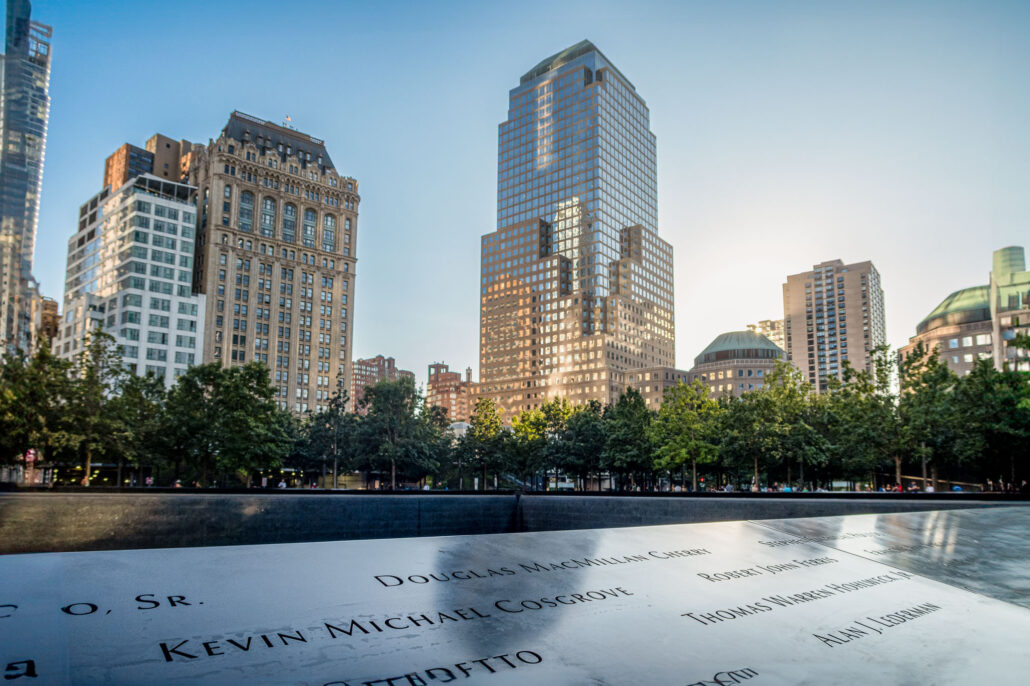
point(24, 111)
point(576, 285)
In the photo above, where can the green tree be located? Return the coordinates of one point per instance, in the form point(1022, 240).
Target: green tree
point(994, 420)
point(96, 428)
point(526, 448)
point(140, 406)
point(583, 441)
point(927, 412)
point(556, 418)
point(791, 423)
point(628, 450)
point(35, 393)
point(391, 426)
point(190, 434)
point(482, 447)
point(685, 429)
point(224, 420)
point(865, 421)
point(331, 434)
point(748, 432)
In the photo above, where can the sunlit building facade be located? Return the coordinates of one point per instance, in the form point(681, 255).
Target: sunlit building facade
point(771, 329)
point(981, 322)
point(448, 390)
point(833, 314)
point(653, 382)
point(370, 371)
point(576, 284)
point(24, 113)
point(130, 271)
point(276, 256)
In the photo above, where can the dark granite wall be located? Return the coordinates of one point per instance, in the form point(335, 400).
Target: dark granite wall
point(66, 521)
point(548, 513)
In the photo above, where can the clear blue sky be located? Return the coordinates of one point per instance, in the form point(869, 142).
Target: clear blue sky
point(788, 133)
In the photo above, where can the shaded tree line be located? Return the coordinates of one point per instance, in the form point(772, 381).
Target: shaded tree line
point(971, 429)
point(224, 426)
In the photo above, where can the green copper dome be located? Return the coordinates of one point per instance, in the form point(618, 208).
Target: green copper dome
point(961, 307)
point(736, 345)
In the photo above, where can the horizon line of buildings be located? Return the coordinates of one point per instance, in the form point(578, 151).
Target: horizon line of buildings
point(244, 249)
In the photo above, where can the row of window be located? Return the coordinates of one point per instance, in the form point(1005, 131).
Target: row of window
point(966, 341)
point(157, 355)
point(288, 227)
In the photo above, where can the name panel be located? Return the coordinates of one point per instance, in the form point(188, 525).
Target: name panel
point(718, 603)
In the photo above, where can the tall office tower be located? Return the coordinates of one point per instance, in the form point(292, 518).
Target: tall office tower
point(276, 257)
point(24, 111)
point(576, 285)
point(832, 314)
point(446, 389)
point(369, 372)
point(771, 329)
point(130, 270)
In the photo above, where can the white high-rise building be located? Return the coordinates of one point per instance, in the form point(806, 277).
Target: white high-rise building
point(130, 270)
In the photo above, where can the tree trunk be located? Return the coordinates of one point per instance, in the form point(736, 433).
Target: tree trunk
point(335, 480)
point(89, 466)
point(801, 472)
point(393, 474)
point(789, 465)
point(897, 469)
point(484, 477)
point(756, 486)
point(694, 468)
point(119, 472)
point(933, 473)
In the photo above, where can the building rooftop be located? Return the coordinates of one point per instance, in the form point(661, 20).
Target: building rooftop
point(244, 127)
point(961, 307)
point(570, 53)
point(737, 345)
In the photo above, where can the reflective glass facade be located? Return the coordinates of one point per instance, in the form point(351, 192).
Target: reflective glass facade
point(24, 112)
point(576, 285)
point(578, 135)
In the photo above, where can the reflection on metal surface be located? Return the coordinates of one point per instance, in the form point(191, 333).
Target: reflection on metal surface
point(787, 601)
point(981, 550)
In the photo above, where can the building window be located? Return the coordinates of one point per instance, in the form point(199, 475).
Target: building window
point(267, 217)
point(308, 235)
point(329, 233)
point(246, 222)
point(289, 224)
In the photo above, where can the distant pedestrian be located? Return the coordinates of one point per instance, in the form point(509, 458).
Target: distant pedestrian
point(282, 484)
